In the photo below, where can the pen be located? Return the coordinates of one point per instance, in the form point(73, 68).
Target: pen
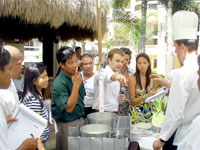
point(33, 137)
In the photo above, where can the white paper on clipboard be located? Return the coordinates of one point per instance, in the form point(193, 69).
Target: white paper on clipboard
point(162, 91)
point(28, 123)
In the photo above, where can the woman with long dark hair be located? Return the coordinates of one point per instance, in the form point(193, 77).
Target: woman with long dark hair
point(35, 80)
point(141, 87)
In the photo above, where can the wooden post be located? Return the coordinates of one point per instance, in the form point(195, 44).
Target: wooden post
point(48, 53)
point(101, 69)
point(99, 29)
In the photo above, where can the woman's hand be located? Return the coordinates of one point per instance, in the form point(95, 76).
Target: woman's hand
point(122, 98)
point(151, 92)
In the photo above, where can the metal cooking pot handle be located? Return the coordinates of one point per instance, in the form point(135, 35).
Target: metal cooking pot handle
point(115, 123)
point(86, 121)
point(112, 134)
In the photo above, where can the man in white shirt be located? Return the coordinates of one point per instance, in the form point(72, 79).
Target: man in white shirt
point(112, 81)
point(191, 141)
point(183, 103)
point(9, 97)
point(87, 75)
point(19, 82)
point(5, 76)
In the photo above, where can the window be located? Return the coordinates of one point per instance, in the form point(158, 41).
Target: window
point(138, 7)
point(154, 63)
point(152, 6)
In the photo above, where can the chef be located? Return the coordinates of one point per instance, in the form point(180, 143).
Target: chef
point(184, 97)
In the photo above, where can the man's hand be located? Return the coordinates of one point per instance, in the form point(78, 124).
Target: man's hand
point(10, 119)
point(157, 145)
point(79, 62)
point(158, 79)
point(76, 79)
point(29, 144)
point(120, 78)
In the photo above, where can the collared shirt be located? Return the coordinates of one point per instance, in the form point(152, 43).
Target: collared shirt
point(19, 83)
point(60, 91)
point(9, 99)
point(111, 91)
point(171, 75)
point(3, 129)
point(184, 101)
point(89, 89)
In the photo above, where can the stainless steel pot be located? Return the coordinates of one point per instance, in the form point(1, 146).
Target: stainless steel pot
point(95, 130)
point(103, 118)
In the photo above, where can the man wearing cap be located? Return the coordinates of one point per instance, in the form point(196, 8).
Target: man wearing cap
point(183, 103)
point(67, 93)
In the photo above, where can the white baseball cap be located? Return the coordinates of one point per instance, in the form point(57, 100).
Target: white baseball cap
point(185, 25)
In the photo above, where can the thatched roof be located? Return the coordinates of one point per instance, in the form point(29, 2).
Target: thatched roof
point(62, 17)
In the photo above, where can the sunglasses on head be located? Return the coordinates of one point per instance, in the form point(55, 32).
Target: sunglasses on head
point(2, 51)
point(67, 51)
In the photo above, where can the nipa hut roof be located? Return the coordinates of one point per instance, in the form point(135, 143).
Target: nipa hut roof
point(62, 17)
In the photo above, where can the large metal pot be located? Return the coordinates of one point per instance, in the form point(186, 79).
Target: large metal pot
point(95, 130)
point(102, 118)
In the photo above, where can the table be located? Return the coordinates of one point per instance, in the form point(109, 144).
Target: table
point(146, 139)
point(146, 142)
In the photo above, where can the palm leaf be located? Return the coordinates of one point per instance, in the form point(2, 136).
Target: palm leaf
point(178, 5)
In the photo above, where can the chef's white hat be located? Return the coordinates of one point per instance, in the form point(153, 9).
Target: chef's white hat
point(185, 24)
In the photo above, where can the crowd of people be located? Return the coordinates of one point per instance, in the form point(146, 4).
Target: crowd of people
point(75, 90)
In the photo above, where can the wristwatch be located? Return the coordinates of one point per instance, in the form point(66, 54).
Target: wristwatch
point(144, 97)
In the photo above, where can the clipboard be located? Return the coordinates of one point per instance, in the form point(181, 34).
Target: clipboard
point(28, 124)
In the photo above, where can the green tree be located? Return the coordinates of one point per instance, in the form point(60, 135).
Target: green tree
point(127, 25)
point(143, 26)
point(177, 5)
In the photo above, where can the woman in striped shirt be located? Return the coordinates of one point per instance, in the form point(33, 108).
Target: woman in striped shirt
point(35, 80)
